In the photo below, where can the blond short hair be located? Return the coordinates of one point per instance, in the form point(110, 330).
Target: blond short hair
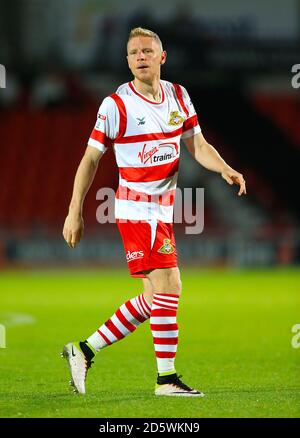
point(140, 31)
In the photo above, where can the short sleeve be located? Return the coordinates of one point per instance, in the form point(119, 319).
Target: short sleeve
point(106, 127)
point(191, 125)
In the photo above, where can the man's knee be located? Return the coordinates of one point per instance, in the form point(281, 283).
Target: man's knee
point(173, 279)
point(148, 290)
point(176, 286)
point(165, 280)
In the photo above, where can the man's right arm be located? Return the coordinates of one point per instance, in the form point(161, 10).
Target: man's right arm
point(73, 226)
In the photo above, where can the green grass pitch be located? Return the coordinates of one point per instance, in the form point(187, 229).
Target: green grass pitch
point(234, 345)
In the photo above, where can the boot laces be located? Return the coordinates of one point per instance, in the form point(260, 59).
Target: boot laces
point(180, 384)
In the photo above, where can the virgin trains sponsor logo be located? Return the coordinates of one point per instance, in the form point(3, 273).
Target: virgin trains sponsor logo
point(156, 154)
point(134, 255)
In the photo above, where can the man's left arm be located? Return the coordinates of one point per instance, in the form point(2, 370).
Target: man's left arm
point(209, 158)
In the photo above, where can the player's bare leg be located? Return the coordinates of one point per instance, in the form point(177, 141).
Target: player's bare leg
point(148, 290)
point(165, 281)
point(166, 285)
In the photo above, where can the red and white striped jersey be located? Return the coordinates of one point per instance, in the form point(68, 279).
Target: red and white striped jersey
point(145, 136)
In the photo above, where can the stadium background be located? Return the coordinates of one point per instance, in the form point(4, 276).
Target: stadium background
point(62, 58)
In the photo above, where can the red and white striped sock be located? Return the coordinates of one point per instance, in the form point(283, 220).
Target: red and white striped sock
point(164, 327)
point(126, 319)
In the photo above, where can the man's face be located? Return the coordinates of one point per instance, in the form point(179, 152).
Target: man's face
point(145, 57)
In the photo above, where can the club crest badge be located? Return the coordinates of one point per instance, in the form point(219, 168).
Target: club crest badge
point(167, 247)
point(175, 118)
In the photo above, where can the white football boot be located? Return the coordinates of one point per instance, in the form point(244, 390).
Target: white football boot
point(78, 365)
point(173, 386)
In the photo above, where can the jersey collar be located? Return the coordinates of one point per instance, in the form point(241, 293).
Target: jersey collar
point(131, 85)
